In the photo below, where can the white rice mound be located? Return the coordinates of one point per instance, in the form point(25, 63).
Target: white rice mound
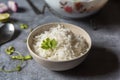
point(69, 45)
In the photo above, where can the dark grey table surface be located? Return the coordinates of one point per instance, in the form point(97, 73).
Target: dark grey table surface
point(103, 62)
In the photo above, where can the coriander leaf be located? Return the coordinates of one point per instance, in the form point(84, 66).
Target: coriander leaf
point(28, 57)
point(49, 44)
point(17, 57)
point(23, 26)
point(47, 39)
point(53, 43)
point(44, 47)
point(18, 68)
point(10, 50)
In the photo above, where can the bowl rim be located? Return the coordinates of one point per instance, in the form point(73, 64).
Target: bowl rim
point(38, 26)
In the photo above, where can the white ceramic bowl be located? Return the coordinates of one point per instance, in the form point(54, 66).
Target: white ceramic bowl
point(75, 8)
point(58, 65)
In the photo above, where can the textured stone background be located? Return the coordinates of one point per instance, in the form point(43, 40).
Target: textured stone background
point(103, 62)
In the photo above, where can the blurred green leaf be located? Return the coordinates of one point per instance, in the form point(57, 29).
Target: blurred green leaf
point(49, 44)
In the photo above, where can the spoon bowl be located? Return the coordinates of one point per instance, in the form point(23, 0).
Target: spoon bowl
point(6, 32)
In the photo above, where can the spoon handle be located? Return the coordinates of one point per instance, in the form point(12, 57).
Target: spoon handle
point(34, 8)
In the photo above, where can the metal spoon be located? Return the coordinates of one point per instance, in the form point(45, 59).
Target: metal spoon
point(6, 32)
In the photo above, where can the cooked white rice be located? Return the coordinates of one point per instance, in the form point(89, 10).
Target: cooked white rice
point(69, 45)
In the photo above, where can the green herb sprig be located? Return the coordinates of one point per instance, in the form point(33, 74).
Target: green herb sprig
point(49, 44)
point(23, 26)
point(27, 57)
point(10, 50)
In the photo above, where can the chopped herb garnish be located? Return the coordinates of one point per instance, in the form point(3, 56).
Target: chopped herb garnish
point(17, 57)
point(49, 44)
point(23, 26)
point(10, 50)
point(27, 57)
point(17, 68)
